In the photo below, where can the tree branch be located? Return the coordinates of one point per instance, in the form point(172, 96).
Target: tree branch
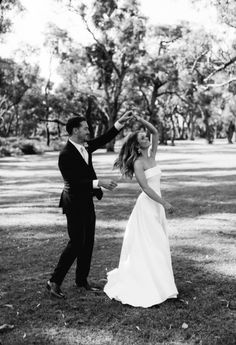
point(99, 43)
point(53, 120)
point(198, 59)
point(219, 85)
point(166, 93)
point(221, 68)
point(163, 43)
point(145, 98)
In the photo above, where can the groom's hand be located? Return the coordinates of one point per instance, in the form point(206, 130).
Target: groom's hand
point(107, 184)
point(126, 117)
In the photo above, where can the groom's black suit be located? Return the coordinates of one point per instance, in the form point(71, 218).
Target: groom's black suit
point(77, 203)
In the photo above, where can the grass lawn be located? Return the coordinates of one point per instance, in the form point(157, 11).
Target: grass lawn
point(198, 179)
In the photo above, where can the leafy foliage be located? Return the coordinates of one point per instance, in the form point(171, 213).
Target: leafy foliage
point(181, 78)
point(6, 7)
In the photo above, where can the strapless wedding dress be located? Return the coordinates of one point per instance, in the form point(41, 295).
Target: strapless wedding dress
point(144, 276)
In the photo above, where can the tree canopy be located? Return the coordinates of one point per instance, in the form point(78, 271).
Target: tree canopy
point(181, 77)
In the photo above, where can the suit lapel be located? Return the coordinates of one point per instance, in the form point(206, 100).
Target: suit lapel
point(73, 149)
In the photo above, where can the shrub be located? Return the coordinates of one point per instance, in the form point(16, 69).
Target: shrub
point(4, 151)
point(28, 149)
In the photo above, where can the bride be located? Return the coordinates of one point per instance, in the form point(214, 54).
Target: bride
point(144, 276)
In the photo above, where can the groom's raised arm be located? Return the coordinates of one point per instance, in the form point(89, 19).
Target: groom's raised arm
point(110, 134)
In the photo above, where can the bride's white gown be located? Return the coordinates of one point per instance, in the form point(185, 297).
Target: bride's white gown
point(144, 276)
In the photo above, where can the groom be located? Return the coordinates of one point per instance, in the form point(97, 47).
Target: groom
point(80, 185)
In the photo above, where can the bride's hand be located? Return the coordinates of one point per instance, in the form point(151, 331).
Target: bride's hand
point(127, 116)
point(168, 207)
point(135, 115)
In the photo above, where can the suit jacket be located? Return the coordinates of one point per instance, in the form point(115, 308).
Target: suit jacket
point(78, 176)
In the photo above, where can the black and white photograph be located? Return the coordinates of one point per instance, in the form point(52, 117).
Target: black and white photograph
point(117, 172)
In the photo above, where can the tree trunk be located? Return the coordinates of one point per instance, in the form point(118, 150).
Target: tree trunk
point(17, 120)
point(88, 116)
point(111, 145)
point(192, 128)
point(162, 134)
point(9, 127)
point(230, 132)
point(210, 131)
point(47, 134)
point(58, 130)
point(172, 130)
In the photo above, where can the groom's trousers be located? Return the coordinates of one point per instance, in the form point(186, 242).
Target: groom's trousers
point(81, 229)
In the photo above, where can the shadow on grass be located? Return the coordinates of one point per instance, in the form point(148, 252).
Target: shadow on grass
point(88, 318)
point(188, 200)
point(33, 234)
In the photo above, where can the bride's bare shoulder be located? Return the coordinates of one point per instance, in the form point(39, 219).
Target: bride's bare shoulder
point(139, 164)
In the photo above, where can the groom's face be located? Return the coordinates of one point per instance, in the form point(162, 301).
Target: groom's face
point(82, 132)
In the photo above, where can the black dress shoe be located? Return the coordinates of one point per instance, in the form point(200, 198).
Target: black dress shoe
point(54, 289)
point(89, 287)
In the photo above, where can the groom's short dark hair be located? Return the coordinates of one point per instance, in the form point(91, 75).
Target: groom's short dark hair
point(74, 122)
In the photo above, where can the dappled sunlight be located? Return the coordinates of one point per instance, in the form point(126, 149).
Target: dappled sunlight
point(31, 235)
point(23, 187)
point(30, 163)
point(195, 183)
point(198, 175)
point(217, 221)
point(127, 186)
point(21, 192)
point(82, 335)
point(225, 268)
point(28, 217)
point(119, 200)
point(209, 260)
point(193, 171)
point(13, 206)
point(110, 229)
point(207, 240)
point(210, 225)
point(111, 224)
point(37, 182)
point(197, 179)
point(18, 173)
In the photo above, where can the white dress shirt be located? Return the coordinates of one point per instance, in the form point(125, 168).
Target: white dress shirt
point(84, 153)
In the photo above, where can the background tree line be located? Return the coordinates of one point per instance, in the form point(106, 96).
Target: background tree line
point(180, 77)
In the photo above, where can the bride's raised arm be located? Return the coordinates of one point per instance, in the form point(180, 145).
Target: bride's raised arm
point(154, 134)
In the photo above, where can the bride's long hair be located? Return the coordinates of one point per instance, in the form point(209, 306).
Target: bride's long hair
point(129, 152)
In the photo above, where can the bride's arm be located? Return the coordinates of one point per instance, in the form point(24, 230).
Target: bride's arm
point(154, 134)
point(142, 181)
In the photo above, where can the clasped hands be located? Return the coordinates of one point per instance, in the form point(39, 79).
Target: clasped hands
point(130, 115)
point(107, 184)
point(126, 117)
